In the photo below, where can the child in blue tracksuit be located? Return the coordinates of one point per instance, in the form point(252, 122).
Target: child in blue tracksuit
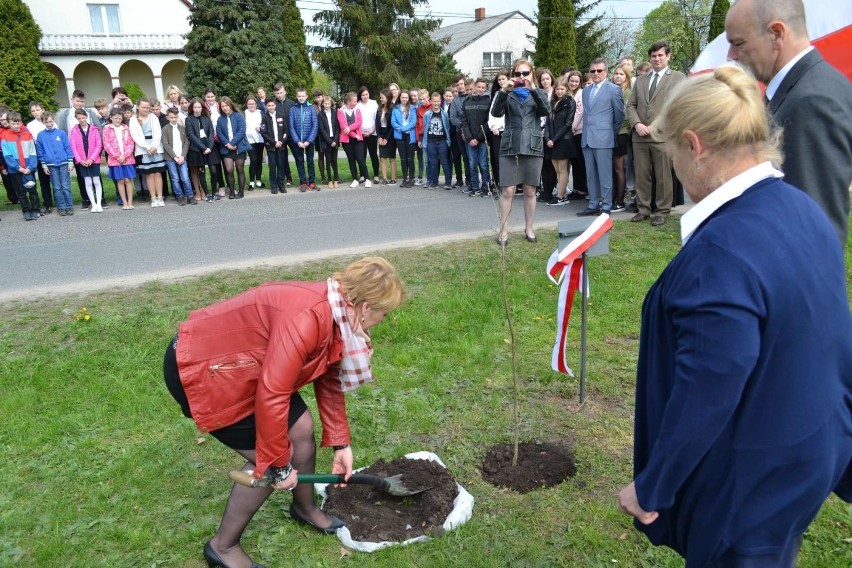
point(404, 122)
point(436, 142)
point(303, 134)
point(54, 153)
point(19, 153)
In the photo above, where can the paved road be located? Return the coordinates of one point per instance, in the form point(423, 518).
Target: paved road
point(87, 251)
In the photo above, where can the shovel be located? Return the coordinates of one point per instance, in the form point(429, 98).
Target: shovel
point(392, 485)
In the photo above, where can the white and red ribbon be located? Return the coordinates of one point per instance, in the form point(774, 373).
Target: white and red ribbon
point(569, 260)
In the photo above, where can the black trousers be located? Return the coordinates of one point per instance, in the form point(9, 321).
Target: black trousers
point(355, 153)
point(256, 163)
point(329, 156)
point(407, 150)
point(28, 198)
point(372, 143)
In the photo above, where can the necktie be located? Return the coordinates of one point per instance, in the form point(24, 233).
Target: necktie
point(595, 90)
point(653, 86)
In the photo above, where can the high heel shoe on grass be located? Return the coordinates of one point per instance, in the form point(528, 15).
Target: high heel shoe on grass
point(331, 529)
point(502, 242)
point(213, 560)
point(531, 239)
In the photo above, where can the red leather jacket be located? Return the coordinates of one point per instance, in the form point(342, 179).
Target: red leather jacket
point(250, 353)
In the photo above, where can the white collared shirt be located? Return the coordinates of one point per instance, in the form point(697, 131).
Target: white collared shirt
point(773, 85)
point(728, 191)
point(659, 75)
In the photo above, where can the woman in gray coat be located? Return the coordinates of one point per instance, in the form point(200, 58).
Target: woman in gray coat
point(522, 144)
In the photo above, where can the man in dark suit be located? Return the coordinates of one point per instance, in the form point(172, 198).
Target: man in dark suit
point(603, 113)
point(810, 99)
point(649, 94)
point(282, 108)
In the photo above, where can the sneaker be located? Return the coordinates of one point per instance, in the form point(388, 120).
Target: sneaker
point(574, 196)
point(258, 183)
point(71, 211)
point(376, 180)
point(467, 190)
point(251, 186)
point(288, 182)
point(62, 213)
point(303, 187)
point(368, 183)
point(154, 202)
point(617, 207)
point(392, 182)
point(209, 199)
point(85, 205)
point(191, 201)
point(354, 183)
point(274, 191)
point(418, 181)
point(448, 186)
point(181, 200)
point(383, 182)
point(312, 186)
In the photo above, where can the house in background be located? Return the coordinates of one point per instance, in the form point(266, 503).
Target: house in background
point(95, 45)
point(487, 44)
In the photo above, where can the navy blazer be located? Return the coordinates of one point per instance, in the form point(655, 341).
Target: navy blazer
point(602, 115)
point(814, 105)
point(238, 126)
point(744, 382)
point(325, 136)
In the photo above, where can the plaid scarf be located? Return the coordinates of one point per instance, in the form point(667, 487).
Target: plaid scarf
point(357, 349)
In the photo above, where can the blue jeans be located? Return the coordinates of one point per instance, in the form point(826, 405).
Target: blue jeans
point(478, 158)
point(302, 154)
point(599, 177)
point(179, 175)
point(437, 157)
point(60, 181)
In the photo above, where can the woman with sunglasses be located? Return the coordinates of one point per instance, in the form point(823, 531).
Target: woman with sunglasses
point(522, 144)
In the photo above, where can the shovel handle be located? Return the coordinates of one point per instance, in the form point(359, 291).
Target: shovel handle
point(247, 479)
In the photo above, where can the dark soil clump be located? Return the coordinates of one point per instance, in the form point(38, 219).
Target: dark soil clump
point(375, 516)
point(540, 464)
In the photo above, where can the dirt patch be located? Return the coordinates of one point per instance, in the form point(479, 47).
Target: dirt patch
point(540, 464)
point(375, 516)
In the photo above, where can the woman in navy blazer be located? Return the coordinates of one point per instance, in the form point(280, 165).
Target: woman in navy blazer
point(231, 131)
point(744, 382)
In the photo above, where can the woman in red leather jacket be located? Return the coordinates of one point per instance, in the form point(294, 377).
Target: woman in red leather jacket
point(236, 368)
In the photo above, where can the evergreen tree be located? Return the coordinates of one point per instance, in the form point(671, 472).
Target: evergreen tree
point(236, 46)
point(377, 42)
point(717, 19)
point(23, 76)
point(591, 37)
point(556, 41)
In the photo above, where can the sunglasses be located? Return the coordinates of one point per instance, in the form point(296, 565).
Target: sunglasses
point(521, 73)
point(597, 70)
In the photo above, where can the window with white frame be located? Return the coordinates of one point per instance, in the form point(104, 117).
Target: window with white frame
point(496, 58)
point(105, 18)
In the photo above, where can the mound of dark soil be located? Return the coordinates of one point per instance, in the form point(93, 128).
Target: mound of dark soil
point(374, 516)
point(540, 464)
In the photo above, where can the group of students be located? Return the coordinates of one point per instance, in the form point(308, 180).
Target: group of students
point(184, 139)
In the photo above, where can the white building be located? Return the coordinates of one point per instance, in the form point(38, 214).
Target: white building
point(488, 44)
point(95, 45)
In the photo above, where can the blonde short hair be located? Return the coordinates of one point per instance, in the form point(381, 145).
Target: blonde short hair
point(373, 280)
point(725, 109)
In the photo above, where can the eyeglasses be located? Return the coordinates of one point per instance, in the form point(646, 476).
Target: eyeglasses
point(521, 73)
point(597, 70)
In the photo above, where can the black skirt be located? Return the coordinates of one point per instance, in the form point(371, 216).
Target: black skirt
point(563, 150)
point(241, 435)
point(389, 149)
point(622, 141)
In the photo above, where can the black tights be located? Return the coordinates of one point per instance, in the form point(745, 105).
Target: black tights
point(619, 180)
point(241, 172)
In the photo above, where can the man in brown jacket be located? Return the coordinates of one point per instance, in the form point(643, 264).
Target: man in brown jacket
point(649, 155)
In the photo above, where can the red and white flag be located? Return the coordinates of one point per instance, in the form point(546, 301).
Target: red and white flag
point(569, 260)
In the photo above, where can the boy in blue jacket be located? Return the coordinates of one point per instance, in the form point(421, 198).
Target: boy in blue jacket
point(436, 141)
point(303, 134)
point(57, 161)
point(19, 153)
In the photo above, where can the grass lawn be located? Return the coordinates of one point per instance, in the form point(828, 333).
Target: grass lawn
point(101, 469)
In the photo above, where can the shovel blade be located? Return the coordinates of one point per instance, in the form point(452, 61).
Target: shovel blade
point(398, 489)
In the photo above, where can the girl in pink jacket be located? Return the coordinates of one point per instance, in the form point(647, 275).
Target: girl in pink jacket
point(352, 140)
point(86, 146)
point(119, 148)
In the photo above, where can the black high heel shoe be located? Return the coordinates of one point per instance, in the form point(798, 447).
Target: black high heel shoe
point(336, 523)
point(503, 242)
point(213, 560)
point(531, 239)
